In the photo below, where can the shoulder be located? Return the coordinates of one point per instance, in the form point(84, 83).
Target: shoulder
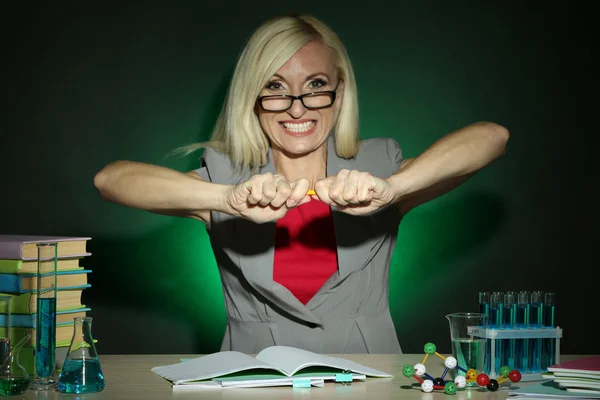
point(377, 147)
point(379, 156)
point(217, 167)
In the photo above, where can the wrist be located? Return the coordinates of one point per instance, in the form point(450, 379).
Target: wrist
point(401, 184)
point(220, 198)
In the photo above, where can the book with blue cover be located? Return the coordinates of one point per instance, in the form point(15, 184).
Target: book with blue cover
point(23, 283)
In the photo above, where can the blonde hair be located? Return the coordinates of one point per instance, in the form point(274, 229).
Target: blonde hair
point(238, 132)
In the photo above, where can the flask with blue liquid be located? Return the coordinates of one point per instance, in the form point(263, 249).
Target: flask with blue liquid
point(81, 372)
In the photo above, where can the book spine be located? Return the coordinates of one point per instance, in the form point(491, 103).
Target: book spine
point(19, 320)
point(11, 283)
point(11, 250)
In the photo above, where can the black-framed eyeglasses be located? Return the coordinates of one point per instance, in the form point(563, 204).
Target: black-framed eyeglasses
point(312, 101)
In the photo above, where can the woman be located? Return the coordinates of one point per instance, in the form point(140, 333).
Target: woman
point(300, 268)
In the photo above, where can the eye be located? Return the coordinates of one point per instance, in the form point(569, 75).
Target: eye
point(274, 85)
point(317, 83)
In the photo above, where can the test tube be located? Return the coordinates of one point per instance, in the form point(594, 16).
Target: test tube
point(497, 322)
point(549, 344)
point(484, 308)
point(484, 303)
point(510, 321)
point(536, 321)
point(522, 321)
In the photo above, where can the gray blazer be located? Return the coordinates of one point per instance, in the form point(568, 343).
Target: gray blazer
point(350, 313)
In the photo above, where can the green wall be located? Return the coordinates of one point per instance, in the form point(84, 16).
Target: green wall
point(91, 83)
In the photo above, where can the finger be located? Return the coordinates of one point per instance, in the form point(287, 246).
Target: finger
point(336, 190)
point(350, 191)
point(254, 187)
point(322, 188)
point(305, 200)
point(299, 188)
point(269, 190)
point(365, 188)
point(284, 191)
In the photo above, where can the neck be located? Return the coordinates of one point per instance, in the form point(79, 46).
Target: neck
point(312, 166)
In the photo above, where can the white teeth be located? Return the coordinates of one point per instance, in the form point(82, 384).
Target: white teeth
point(294, 127)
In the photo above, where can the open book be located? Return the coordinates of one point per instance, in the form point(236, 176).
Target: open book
point(273, 366)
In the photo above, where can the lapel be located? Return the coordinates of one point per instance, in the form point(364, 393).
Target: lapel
point(257, 265)
point(352, 235)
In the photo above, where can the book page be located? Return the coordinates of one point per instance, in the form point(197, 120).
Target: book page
point(291, 360)
point(211, 366)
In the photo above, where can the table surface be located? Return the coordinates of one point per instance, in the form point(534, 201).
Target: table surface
point(130, 377)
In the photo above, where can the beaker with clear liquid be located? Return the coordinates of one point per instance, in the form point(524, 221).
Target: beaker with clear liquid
point(469, 351)
point(81, 372)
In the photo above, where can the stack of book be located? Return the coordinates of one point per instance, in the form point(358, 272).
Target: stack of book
point(575, 379)
point(18, 279)
point(580, 375)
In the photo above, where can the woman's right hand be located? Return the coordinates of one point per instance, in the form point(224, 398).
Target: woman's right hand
point(267, 197)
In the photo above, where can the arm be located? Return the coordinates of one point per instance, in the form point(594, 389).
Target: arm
point(449, 162)
point(160, 190)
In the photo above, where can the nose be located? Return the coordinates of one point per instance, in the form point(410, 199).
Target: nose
point(297, 109)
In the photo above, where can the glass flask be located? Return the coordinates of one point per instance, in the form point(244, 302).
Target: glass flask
point(81, 372)
point(14, 379)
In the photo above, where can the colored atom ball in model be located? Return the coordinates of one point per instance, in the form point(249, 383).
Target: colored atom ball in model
point(504, 371)
point(427, 386)
point(408, 371)
point(450, 388)
point(450, 362)
point(514, 376)
point(460, 381)
point(493, 385)
point(483, 379)
point(430, 348)
point(471, 374)
point(438, 382)
point(420, 369)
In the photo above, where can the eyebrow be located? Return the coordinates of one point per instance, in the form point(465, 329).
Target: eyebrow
point(309, 77)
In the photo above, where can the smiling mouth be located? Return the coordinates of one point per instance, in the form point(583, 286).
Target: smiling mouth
point(301, 128)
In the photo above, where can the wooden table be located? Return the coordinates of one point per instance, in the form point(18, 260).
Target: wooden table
point(130, 377)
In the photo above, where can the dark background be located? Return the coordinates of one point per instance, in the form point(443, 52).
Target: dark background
point(87, 83)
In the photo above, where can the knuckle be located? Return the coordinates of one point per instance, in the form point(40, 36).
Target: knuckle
point(320, 185)
point(285, 191)
point(348, 197)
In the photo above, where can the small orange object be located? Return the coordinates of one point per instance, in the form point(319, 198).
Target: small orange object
point(471, 374)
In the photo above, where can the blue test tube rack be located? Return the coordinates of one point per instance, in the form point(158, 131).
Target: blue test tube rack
point(493, 334)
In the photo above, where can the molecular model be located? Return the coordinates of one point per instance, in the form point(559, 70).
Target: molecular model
point(451, 387)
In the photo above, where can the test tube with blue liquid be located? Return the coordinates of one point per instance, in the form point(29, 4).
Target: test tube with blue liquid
point(510, 322)
point(522, 321)
point(484, 308)
point(497, 322)
point(45, 329)
point(484, 303)
point(536, 321)
point(549, 344)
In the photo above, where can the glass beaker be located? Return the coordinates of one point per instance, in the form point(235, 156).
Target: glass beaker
point(81, 372)
point(468, 350)
point(45, 327)
point(14, 379)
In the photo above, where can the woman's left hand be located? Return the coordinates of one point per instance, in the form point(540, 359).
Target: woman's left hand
point(354, 192)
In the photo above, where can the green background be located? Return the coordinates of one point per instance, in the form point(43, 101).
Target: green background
point(90, 83)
